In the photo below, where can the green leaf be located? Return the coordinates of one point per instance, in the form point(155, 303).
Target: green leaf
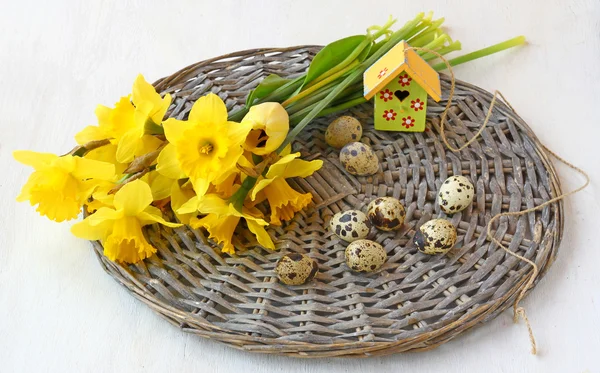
point(331, 56)
point(268, 85)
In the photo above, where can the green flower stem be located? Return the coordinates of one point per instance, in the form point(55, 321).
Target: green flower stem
point(343, 106)
point(322, 83)
point(351, 91)
point(435, 44)
point(519, 40)
point(427, 34)
point(425, 23)
point(310, 100)
point(455, 46)
point(239, 196)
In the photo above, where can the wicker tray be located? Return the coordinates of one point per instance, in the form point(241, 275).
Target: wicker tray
point(415, 302)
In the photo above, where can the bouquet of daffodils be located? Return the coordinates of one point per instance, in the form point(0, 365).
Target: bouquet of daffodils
point(133, 163)
point(213, 169)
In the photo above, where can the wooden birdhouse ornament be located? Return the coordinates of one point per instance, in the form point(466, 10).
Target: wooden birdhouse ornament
point(400, 81)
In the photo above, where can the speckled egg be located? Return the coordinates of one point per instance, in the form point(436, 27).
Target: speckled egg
point(365, 256)
point(350, 225)
point(359, 159)
point(436, 236)
point(342, 131)
point(456, 193)
point(386, 213)
point(296, 269)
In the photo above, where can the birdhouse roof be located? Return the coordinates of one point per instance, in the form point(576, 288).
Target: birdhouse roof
point(399, 59)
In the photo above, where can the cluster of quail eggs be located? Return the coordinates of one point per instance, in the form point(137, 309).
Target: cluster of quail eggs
point(435, 236)
point(353, 226)
point(356, 157)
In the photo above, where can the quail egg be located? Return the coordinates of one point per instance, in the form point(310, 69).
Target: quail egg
point(456, 193)
point(350, 225)
point(365, 256)
point(342, 131)
point(359, 159)
point(296, 269)
point(436, 236)
point(386, 213)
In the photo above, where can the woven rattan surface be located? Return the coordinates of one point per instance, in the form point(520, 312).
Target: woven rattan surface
point(415, 302)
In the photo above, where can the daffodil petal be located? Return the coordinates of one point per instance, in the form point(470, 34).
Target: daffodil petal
point(168, 165)
point(102, 215)
point(201, 186)
point(237, 132)
point(143, 91)
point(90, 133)
point(103, 114)
point(158, 116)
point(147, 144)
point(301, 168)
point(213, 204)
point(85, 230)
point(287, 150)
point(34, 159)
point(209, 110)
point(261, 234)
point(278, 168)
point(160, 186)
point(91, 169)
point(260, 185)
point(175, 129)
point(191, 206)
point(180, 195)
point(133, 198)
point(128, 144)
point(153, 215)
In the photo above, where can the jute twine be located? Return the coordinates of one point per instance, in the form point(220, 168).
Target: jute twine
point(519, 312)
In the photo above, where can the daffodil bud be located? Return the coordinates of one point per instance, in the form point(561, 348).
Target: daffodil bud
point(270, 125)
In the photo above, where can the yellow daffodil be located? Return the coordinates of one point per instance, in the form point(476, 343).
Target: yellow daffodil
point(220, 219)
point(120, 228)
point(150, 110)
point(128, 122)
point(270, 126)
point(207, 146)
point(61, 185)
point(284, 200)
point(112, 122)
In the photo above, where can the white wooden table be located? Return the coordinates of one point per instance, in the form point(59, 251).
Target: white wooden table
point(59, 312)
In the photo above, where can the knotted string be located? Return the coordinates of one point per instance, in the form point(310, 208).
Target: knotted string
point(518, 312)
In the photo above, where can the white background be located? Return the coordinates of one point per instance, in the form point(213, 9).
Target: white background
point(60, 312)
